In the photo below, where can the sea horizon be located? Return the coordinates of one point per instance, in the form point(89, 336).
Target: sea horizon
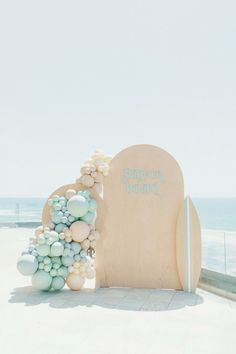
point(215, 213)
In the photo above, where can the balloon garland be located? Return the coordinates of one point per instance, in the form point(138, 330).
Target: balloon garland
point(63, 250)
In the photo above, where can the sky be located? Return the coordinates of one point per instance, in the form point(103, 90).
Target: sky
point(80, 75)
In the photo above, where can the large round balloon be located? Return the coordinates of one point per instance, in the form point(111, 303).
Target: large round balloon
point(78, 206)
point(43, 249)
point(27, 264)
point(41, 280)
point(58, 283)
point(57, 249)
point(80, 231)
point(74, 281)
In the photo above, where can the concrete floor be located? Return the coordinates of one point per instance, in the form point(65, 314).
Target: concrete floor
point(107, 321)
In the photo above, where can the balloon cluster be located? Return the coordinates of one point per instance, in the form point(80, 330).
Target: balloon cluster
point(93, 171)
point(63, 250)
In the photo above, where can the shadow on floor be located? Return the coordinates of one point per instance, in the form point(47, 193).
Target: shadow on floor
point(111, 298)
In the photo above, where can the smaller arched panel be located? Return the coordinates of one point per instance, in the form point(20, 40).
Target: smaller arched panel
point(46, 217)
point(188, 246)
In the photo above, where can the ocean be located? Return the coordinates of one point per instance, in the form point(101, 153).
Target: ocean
point(214, 213)
point(14, 210)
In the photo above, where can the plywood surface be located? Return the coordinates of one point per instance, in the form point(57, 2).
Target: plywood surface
point(142, 197)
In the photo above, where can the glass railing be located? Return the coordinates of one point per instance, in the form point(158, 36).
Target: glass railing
point(219, 251)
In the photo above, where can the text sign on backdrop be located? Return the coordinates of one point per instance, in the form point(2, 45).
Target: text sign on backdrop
point(142, 181)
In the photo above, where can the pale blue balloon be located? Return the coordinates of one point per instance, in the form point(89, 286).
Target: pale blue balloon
point(57, 249)
point(47, 260)
point(67, 261)
point(57, 206)
point(60, 227)
point(58, 283)
point(56, 266)
point(75, 246)
point(56, 218)
point(27, 264)
point(77, 206)
point(71, 218)
point(41, 265)
point(40, 258)
point(56, 260)
point(51, 225)
point(64, 220)
point(85, 194)
point(66, 252)
point(89, 217)
point(41, 280)
point(71, 253)
point(63, 271)
point(43, 250)
point(62, 199)
point(25, 252)
point(83, 253)
point(93, 205)
point(77, 257)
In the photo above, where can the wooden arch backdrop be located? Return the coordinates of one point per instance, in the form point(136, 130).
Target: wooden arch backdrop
point(150, 236)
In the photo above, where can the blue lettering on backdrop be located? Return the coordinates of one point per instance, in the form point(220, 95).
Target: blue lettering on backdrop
point(142, 181)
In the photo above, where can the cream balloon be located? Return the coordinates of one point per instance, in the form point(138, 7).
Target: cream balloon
point(74, 281)
point(38, 231)
point(87, 180)
point(70, 193)
point(79, 230)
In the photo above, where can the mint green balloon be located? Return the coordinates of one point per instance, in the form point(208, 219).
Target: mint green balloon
point(47, 267)
point(89, 217)
point(27, 264)
point(57, 283)
point(93, 205)
point(56, 266)
point(47, 260)
point(67, 261)
point(43, 250)
point(41, 280)
point(41, 265)
point(56, 260)
point(78, 206)
point(63, 271)
point(53, 272)
point(57, 249)
point(75, 246)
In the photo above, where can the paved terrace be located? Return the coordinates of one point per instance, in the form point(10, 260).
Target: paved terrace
point(107, 321)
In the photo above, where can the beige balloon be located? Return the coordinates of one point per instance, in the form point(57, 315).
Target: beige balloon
point(75, 281)
point(79, 230)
